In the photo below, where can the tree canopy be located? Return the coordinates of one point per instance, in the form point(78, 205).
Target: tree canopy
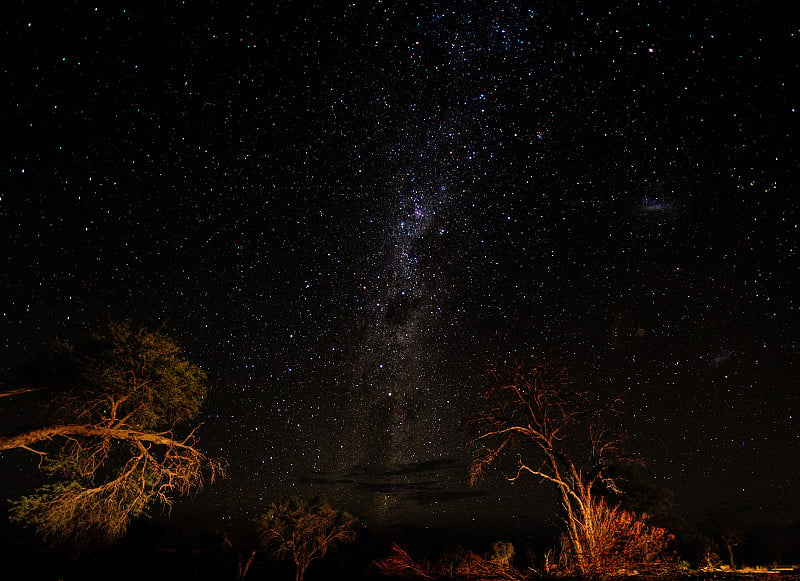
point(305, 530)
point(108, 435)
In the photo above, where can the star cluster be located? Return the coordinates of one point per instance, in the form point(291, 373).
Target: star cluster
point(343, 211)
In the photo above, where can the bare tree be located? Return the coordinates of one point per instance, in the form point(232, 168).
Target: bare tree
point(731, 539)
point(108, 438)
point(305, 530)
point(532, 408)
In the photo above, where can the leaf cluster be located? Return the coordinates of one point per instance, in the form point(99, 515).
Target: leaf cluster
point(135, 375)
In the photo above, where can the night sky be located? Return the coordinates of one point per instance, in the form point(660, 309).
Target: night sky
point(344, 212)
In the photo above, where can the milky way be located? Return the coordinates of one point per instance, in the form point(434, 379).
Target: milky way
point(403, 406)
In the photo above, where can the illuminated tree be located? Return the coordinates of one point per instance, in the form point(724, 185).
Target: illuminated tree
point(108, 438)
point(305, 530)
point(533, 409)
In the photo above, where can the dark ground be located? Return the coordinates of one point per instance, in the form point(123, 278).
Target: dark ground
point(206, 559)
point(179, 548)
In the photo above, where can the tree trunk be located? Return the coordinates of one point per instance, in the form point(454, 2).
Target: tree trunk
point(728, 545)
point(589, 530)
point(301, 564)
point(244, 566)
point(573, 530)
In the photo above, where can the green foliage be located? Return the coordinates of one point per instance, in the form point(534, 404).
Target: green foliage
point(304, 530)
point(111, 449)
point(28, 508)
point(138, 375)
point(71, 513)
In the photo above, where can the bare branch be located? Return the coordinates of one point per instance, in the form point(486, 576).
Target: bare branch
point(533, 406)
point(20, 391)
point(34, 451)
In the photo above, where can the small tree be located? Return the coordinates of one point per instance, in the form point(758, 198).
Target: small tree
point(107, 440)
point(305, 530)
point(533, 408)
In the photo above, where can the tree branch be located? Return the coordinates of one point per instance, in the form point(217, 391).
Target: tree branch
point(68, 430)
point(563, 485)
point(20, 391)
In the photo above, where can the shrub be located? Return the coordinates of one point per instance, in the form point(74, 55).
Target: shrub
point(617, 541)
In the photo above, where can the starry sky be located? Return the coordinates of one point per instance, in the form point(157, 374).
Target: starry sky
point(345, 211)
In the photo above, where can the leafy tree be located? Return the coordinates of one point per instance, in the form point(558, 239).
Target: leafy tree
point(305, 530)
point(556, 430)
point(108, 437)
